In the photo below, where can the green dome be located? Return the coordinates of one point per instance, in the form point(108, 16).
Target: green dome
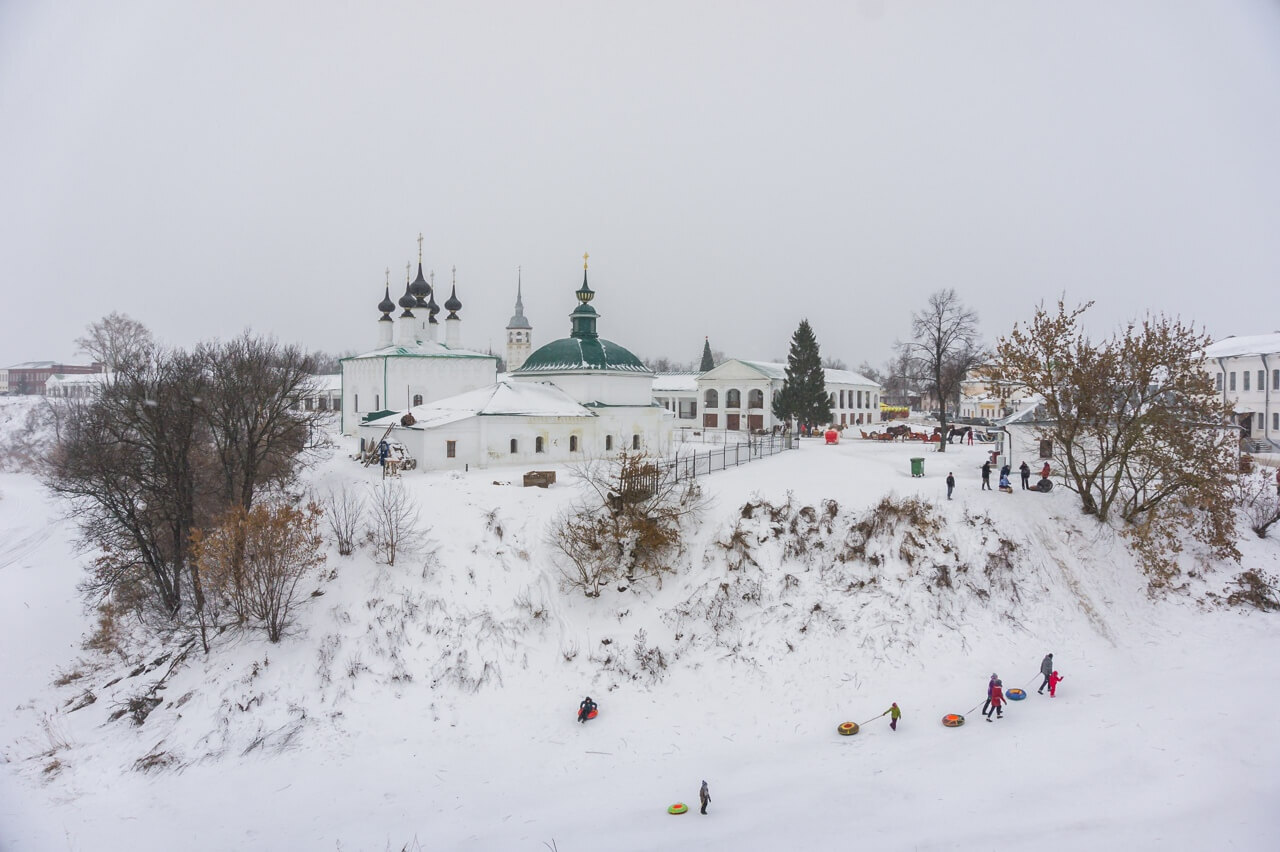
point(576, 353)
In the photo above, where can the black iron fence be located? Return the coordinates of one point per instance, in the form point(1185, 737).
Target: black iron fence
point(695, 464)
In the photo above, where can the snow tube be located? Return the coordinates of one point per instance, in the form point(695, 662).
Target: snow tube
point(953, 720)
point(592, 714)
point(848, 729)
point(678, 808)
point(1015, 694)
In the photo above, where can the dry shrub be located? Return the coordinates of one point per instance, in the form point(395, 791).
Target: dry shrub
point(1256, 589)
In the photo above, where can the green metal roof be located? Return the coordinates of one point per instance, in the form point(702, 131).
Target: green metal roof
point(582, 353)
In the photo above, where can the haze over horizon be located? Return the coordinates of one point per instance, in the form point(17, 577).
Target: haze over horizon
point(730, 167)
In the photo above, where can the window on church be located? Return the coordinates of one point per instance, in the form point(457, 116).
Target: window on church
point(1275, 379)
point(1262, 380)
point(1218, 385)
point(324, 403)
point(377, 402)
point(608, 443)
point(451, 449)
point(1231, 381)
point(688, 409)
point(417, 399)
point(733, 399)
point(355, 401)
point(635, 442)
point(712, 399)
point(1246, 379)
point(755, 399)
point(573, 443)
point(538, 445)
point(515, 446)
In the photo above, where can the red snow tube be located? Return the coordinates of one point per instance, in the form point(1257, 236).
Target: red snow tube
point(848, 729)
point(593, 713)
point(678, 808)
point(953, 720)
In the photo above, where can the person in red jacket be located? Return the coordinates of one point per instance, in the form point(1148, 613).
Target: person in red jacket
point(996, 696)
point(1054, 680)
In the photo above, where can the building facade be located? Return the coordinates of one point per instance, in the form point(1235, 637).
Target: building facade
point(737, 396)
point(1246, 372)
point(30, 378)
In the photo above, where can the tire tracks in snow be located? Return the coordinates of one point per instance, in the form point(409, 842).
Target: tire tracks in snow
point(24, 546)
point(1049, 544)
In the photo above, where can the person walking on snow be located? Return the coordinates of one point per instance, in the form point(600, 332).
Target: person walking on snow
point(1054, 680)
point(986, 476)
point(1044, 471)
point(894, 715)
point(705, 795)
point(586, 708)
point(996, 697)
point(986, 705)
point(1046, 669)
point(951, 484)
point(1026, 475)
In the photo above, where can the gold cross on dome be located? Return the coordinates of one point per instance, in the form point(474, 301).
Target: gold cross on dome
point(584, 259)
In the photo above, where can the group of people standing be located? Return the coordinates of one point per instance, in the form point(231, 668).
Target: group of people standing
point(995, 688)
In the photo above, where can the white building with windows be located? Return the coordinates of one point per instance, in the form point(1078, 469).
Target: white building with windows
point(572, 399)
point(1246, 372)
point(737, 396)
point(678, 394)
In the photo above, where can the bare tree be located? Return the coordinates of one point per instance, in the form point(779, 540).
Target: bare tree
point(254, 559)
point(115, 340)
point(344, 510)
point(630, 524)
point(832, 363)
point(1256, 495)
point(259, 438)
point(394, 521)
point(133, 462)
point(944, 347)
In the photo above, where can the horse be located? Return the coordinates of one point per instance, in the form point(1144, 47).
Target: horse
point(900, 431)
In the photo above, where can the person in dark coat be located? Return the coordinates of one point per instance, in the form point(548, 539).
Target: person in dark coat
point(986, 705)
point(704, 794)
point(1025, 470)
point(1046, 669)
point(1004, 471)
point(986, 476)
point(585, 709)
point(951, 484)
point(996, 696)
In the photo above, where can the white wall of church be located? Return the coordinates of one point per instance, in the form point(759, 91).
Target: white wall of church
point(393, 382)
point(606, 388)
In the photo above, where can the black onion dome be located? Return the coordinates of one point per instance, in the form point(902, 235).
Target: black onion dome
point(452, 305)
point(386, 305)
point(420, 289)
point(407, 301)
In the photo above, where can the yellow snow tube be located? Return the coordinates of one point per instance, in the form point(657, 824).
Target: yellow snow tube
point(848, 729)
point(678, 808)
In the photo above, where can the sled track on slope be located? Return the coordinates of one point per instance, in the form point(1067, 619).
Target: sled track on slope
point(1073, 584)
point(24, 546)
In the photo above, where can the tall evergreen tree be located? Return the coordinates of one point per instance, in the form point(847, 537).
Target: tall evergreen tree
point(708, 362)
point(804, 393)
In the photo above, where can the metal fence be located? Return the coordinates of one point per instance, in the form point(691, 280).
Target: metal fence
point(695, 464)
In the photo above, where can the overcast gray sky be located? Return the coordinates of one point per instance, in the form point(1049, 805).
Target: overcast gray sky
point(731, 167)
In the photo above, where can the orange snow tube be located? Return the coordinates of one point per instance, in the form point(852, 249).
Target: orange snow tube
point(953, 720)
point(848, 729)
point(678, 808)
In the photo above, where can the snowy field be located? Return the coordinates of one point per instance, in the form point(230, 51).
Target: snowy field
point(431, 705)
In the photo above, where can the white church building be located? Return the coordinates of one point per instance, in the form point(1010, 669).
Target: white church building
point(575, 398)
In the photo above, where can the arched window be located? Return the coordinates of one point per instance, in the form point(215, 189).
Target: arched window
point(711, 399)
point(515, 446)
point(733, 399)
point(573, 443)
point(377, 402)
point(417, 399)
point(635, 442)
point(832, 401)
point(538, 445)
point(755, 399)
point(608, 443)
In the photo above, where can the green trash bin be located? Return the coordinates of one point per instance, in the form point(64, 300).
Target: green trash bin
point(917, 467)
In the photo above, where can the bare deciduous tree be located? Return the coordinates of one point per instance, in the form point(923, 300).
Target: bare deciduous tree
point(1256, 495)
point(944, 347)
point(344, 510)
point(115, 340)
point(253, 560)
point(394, 521)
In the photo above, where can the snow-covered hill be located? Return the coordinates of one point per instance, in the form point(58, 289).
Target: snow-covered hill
point(431, 704)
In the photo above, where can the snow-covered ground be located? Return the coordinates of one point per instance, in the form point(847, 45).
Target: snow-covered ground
point(431, 704)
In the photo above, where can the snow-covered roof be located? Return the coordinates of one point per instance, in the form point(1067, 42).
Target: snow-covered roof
point(329, 382)
point(831, 376)
point(503, 399)
point(683, 382)
point(77, 378)
point(33, 365)
point(425, 349)
point(1254, 344)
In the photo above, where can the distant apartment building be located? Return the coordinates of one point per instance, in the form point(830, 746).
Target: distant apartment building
point(30, 378)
